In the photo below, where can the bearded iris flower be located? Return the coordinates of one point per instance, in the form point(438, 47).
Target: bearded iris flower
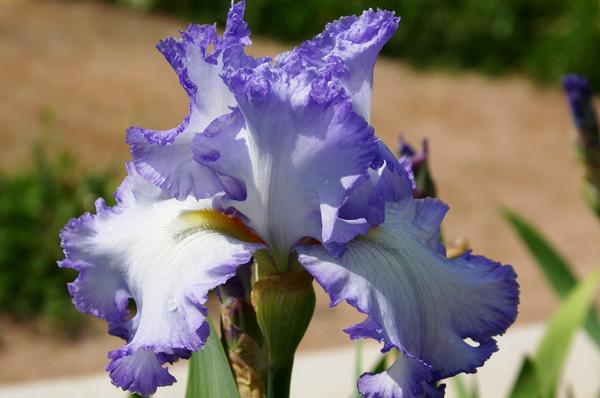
point(277, 156)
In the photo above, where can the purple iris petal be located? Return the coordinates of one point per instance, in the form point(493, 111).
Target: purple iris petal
point(198, 57)
point(165, 159)
point(348, 49)
point(413, 295)
point(407, 378)
point(236, 33)
point(140, 371)
point(390, 180)
point(148, 248)
point(297, 147)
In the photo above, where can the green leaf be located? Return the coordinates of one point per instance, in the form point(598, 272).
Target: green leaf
point(569, 317)
point(386, 360)
point(461, 390)
point(527, 384)
point(358, 351)
point(209, 373)
point(538, 377)
point(475, 389)
point(556, 270)
point(381, 365)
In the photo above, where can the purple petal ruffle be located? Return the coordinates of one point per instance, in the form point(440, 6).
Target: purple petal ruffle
point(416, 299)
point(347, 49)
point(198, 57)
point(407, 378)
point(297, 147)
point(147, 249)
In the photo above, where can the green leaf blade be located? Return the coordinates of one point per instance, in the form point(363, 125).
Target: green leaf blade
point(554, 347)
point(209, 373)
point(381, 365)
point(460, 388)
point(462, 391)
point(527, 384)
point(556, 270)
point(358, 359)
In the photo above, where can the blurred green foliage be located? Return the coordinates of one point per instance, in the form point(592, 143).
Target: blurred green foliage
point(35, 203)
point(543, 38)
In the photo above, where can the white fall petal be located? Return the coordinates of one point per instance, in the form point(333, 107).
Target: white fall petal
point(165, 255)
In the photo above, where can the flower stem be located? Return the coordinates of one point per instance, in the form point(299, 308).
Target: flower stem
point(279, 380)
point(284, 304)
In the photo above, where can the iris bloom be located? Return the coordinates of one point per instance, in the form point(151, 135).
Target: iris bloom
point(272, 152)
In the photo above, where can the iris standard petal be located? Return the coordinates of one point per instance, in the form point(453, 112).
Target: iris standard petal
point(406, 378)
point(392, 181)
point(165, 255)
point(347, 48)
point(198, 58)
point(297, 147)
point(389, 179)
point(415, 298)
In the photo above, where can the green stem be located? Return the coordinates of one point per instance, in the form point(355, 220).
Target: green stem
point(279, 380)
point(284, 304)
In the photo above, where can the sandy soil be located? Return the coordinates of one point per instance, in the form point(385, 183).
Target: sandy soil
point(494, 142)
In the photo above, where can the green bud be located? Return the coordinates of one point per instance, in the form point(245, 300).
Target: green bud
point(284, 304)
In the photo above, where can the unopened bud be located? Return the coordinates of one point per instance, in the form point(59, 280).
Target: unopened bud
point(581, 101)
point(580, 97)
point(241, 335)
point(425, 186)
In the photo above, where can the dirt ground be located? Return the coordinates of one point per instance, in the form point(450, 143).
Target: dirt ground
point(494, 143)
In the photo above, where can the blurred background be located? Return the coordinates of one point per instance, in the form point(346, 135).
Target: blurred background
point(478, 78)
